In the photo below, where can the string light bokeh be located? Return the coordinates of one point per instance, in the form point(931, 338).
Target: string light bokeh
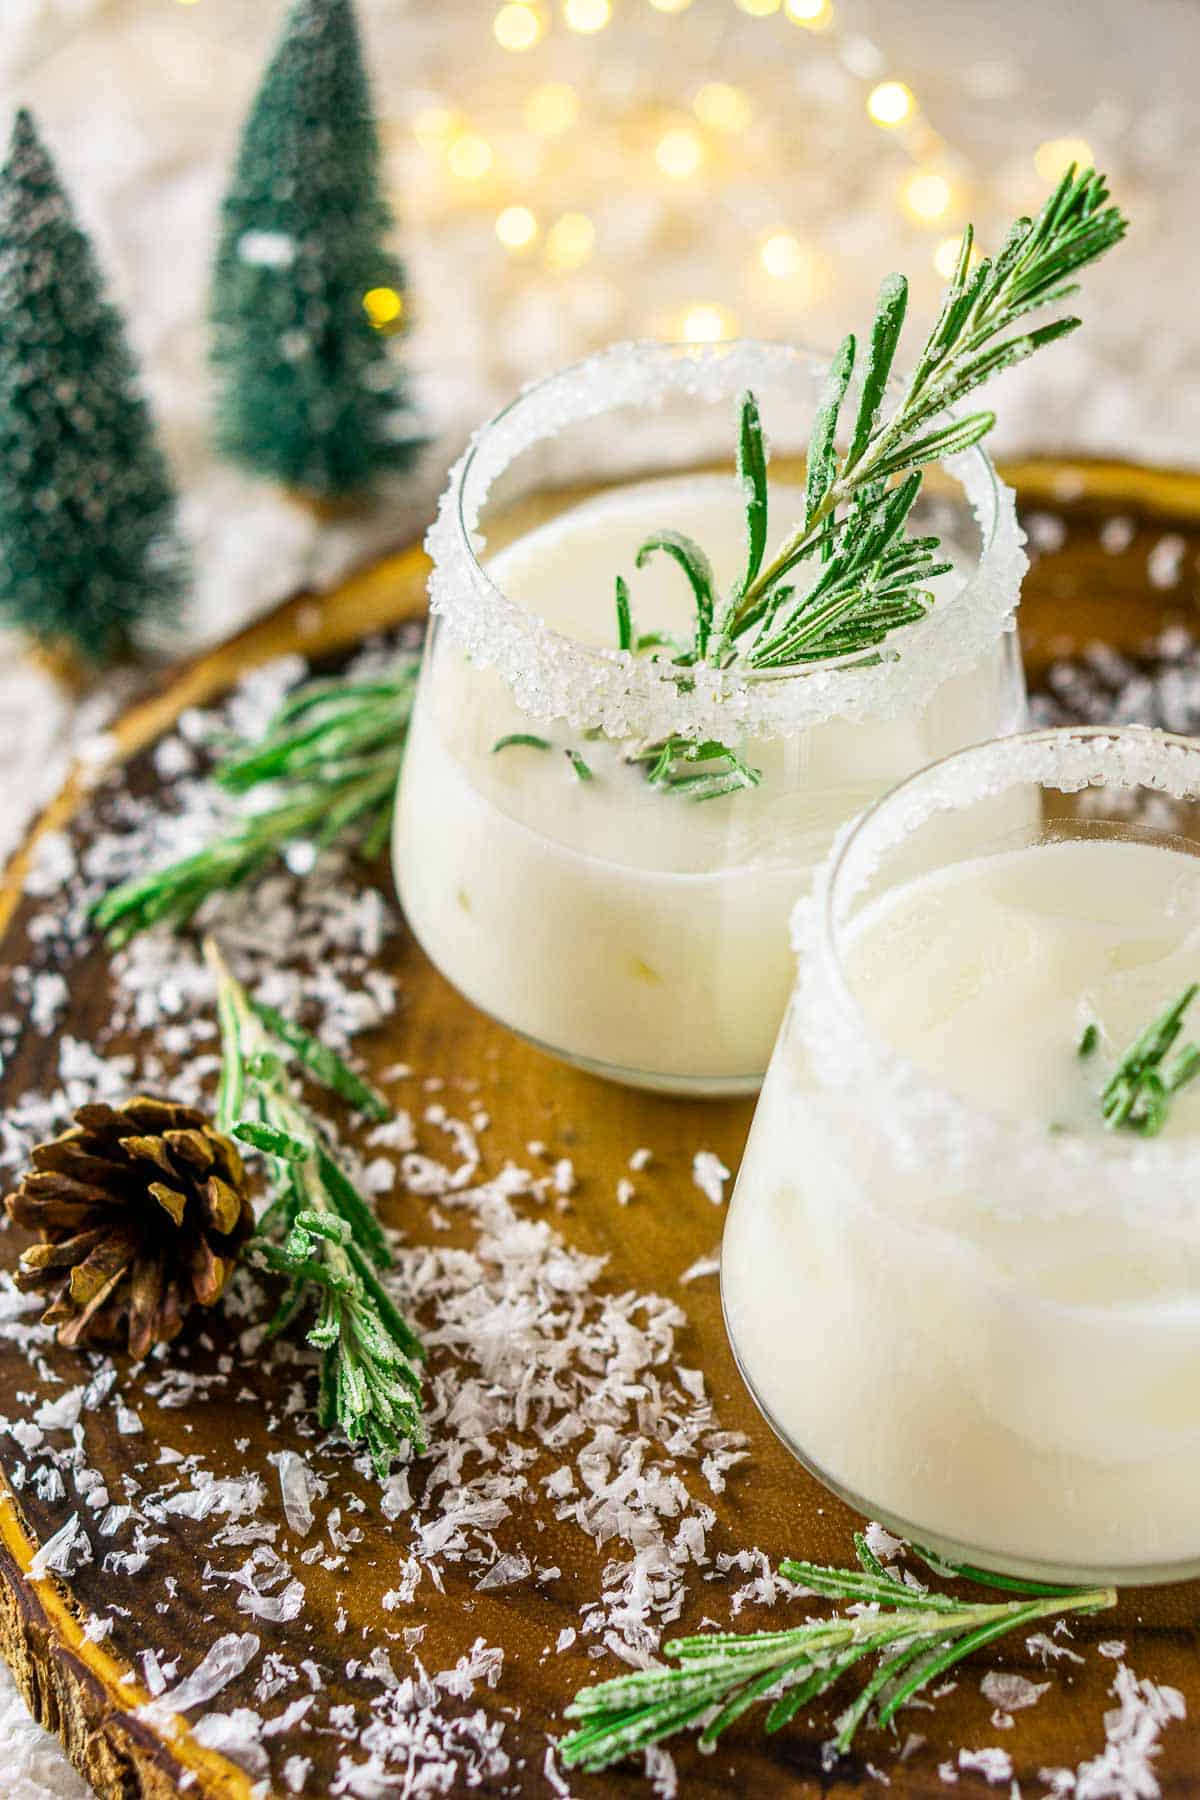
point(690, 169)
point(565, 173)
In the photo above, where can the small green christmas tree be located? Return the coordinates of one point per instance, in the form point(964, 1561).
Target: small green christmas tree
point(308, 392)
point(88, 550)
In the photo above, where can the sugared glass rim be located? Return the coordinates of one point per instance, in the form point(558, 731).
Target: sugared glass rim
point(926, 1123)
point(593, 688)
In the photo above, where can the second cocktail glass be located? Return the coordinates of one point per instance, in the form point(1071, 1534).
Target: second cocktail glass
point(961, 1270)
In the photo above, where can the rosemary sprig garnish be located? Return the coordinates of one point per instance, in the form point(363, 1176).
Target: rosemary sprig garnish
point(328, 761)
point(698, 771)
point(319, 1232)
point(875, 578)
point(1138, 1094)
point(917, 1634)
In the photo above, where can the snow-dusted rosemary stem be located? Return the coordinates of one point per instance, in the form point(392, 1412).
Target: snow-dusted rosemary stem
point(917, 1633)
point(874, 578)
point(327, 763)
point(319, 1232)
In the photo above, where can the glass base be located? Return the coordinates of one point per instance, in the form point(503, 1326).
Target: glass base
point(961, 1551)
point(650, 1081)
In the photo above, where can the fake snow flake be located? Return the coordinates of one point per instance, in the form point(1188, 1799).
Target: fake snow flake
point(710, 1175)
point(228, 1658)
point(62, 1554)
point(994, 1765)
point(1011, 1692)
point(299, 1487)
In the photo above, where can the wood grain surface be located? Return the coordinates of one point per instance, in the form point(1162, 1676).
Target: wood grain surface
point(89, 1692)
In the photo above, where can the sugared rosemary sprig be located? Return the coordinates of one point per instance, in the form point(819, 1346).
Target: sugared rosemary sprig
point(875, 578)
point(1138, 1094)
point(319, 1232)
point(327, 764)
point(916, 1633)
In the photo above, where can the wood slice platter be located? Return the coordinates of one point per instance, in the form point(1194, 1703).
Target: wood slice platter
point(370, 1725)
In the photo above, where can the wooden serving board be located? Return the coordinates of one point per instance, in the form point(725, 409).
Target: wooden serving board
point(89, 1692)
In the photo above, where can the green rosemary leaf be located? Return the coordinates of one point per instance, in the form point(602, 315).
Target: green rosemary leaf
point(752, 473)
point(583, 773)
point(868, 1561)
point(271, 1140)
point(1089, 1039)
point(1010, 1584)
point(696, 566)
point(789, 1703)
point(935, 446)
point(885, 336)
point(855, 1584)
point(524, 738)
point(1185, 1068)
point(322, 1062)
point(397, 1325)
point(888, 1670)
point(624, 617)
point(822, 455)
point(346, 1200)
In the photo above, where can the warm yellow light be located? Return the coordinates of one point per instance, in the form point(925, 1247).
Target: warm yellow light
point(758, 9)
point(587, 15)
point(670, 6)
point(517, 27)
point(1054, 158)
point(927, 196)
point(570, 241)
point(679, 152)
point(815, 15)
point(432, 125)
point(516, 227)
point(469, 156)
point(187, 2)
point(890, 103)
point(782, 255)
point(383, 306)
point(552, 108)
point(708, 324)
point(722, 108)
point(945, 257)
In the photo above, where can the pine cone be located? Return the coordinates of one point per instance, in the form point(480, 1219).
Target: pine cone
point(142, 1212)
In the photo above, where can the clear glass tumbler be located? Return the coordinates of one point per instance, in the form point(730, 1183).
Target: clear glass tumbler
point(962, 1291)
point(636, 932)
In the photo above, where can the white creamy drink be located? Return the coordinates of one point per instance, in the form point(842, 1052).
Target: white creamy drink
point(636, 931)
point(960, 1297)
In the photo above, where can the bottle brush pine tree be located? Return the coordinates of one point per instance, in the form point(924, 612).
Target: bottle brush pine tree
point(88, 551)
point(307, 389)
